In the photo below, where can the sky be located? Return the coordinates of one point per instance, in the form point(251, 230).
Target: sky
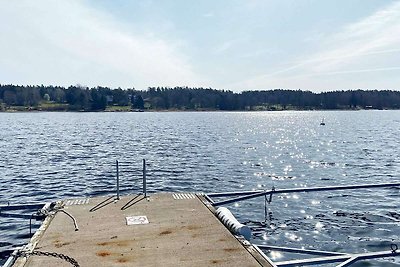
point(233, 45)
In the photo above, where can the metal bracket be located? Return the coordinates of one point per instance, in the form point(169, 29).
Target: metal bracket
point(330, 257)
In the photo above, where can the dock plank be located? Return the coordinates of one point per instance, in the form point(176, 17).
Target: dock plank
point(180, 232)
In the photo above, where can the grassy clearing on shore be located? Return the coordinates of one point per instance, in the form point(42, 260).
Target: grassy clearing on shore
point(50, 106)
point(118, 108)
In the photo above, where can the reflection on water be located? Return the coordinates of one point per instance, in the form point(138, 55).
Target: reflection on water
point(47, 156)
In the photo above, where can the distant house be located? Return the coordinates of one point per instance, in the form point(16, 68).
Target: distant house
point(109, 99)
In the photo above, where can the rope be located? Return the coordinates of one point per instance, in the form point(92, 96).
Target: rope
point(267, 201)
point(72, 217)
point(67, 258)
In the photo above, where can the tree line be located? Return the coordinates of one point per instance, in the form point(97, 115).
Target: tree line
point(80, 98)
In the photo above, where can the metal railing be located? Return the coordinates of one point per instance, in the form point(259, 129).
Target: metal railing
point(120, 171)
point(244, 195)
point(344, 259)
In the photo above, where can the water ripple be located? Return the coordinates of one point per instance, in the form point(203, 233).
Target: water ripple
point(48, 156)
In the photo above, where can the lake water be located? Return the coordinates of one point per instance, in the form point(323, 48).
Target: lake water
point(49, 156)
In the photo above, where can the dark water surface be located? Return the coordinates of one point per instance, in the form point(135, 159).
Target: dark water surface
point(49, 156)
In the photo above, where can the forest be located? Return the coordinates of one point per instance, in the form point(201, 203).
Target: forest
point(80, 98)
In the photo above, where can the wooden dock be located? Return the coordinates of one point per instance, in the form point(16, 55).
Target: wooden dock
point(162, 230)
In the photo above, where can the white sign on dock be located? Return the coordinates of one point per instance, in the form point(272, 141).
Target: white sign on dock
point(136, 220)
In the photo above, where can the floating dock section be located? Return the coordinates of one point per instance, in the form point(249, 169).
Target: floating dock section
point(161, 230)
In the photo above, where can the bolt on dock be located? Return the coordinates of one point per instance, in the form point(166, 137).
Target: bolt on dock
point(164, 229)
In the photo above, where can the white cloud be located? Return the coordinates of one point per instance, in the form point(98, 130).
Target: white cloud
point(380, 31)
point(368, 46)
point(66, 42)
point(226, 45)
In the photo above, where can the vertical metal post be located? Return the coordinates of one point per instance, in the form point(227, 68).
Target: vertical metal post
point(265, 208)
point(144, 178)
point(117, 165)
point(30, 226)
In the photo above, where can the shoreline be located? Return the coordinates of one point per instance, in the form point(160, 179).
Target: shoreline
point(179, 110)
